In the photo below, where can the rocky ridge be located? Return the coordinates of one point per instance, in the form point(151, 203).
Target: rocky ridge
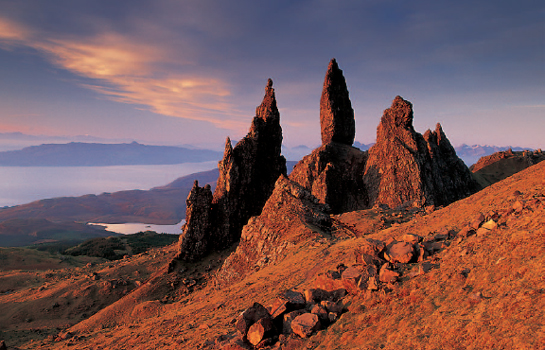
point(500, 165)
point(403, 168)
point(291, 214)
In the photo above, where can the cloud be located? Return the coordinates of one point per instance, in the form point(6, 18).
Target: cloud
point(132, 70)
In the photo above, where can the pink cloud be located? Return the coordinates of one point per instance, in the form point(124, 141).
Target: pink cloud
point(129, 70)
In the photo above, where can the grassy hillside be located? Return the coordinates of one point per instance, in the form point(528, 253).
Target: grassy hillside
point(483, 291)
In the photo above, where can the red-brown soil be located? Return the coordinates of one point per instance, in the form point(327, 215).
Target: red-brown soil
point(485, 291)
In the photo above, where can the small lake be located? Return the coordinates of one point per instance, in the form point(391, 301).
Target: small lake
point(20, 185)
point(130, 228)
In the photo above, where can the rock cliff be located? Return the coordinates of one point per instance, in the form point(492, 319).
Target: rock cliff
point(247, 174)
point(406, 168)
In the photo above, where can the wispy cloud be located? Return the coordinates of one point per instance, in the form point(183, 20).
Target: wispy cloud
point(133, 71)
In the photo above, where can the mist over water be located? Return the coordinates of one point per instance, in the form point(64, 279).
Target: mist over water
point(20, 185)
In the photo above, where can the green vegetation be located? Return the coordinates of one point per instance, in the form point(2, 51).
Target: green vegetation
point(116, 247)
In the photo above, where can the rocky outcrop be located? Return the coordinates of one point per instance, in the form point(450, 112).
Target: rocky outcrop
point(451, 178)
point(333, 174)
point(291, 214)
point(248, 172)
point(333, 171)
point(406, 168)
point(336, 113)
point(247, 176)
point(196, 238)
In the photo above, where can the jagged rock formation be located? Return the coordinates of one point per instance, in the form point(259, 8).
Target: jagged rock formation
point(196, 241)
point(406, 168)
point(336, 113)
point(451, 177)
point(247, 176)
point(292, 213)
point(333, 171)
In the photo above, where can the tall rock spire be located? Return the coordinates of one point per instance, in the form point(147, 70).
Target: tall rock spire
point(247, 176)
point(333, 171)
point(336, 113)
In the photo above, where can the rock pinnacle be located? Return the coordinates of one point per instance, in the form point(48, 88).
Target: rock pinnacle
point(336, 113)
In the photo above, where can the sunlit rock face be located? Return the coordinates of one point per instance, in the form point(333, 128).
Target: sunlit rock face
point(336, 113)
point(332, 172)
point(406, 168)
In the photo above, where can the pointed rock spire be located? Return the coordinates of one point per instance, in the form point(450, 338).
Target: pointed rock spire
point(247, 174)
point(336, 113)
point(268, 110)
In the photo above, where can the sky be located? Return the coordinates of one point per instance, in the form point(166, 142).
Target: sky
point(193, 71)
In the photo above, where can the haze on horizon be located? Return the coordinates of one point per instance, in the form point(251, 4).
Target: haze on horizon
point(192, 72)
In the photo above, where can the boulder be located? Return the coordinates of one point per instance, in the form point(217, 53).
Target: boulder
point(306, 324)
point(288, 318)
point(387, 275)
point(316, 295)
point(250, 316)
point(477, 221)
point(399, 252)
point(261, 329)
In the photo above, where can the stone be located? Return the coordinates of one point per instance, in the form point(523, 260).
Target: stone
point(465, 232)
point(477, 221)
point(306, 324)
point(316, 295)
point(405, 168)
point(321, 311)
point(336, 114)
point(387, 275)
point(490, 225)
point(260, 330)
point(399, 252)
point(249, 316)
point(3, 345)
point(288, 318)
point(247, 176)
point(332, 307)
point(372, 283)
point(411, 238)
point(352, 273)
point(278, 308)
point(295, 299)
point(518, 206)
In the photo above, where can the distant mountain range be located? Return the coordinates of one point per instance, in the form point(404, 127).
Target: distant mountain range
point(100, 154)
point(471, 154)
